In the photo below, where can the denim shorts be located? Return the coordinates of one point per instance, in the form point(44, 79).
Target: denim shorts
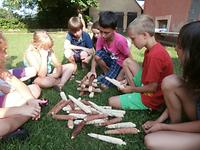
point(114, 68)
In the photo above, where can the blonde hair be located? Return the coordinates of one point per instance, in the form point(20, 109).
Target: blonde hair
point(75, 24)
point(42, 40)
point(141, 24)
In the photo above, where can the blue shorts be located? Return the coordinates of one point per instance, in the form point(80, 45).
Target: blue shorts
point(114, 68)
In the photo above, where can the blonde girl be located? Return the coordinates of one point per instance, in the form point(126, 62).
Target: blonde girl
point(40, 55)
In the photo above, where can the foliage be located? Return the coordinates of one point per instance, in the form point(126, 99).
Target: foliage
point(8, 20)
point(12, 23)
point(50, 13)
point(5, 13)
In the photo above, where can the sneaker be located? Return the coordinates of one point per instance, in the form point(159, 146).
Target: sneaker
point(20, 134)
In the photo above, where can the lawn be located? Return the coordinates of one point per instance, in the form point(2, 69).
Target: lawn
point(49, 134)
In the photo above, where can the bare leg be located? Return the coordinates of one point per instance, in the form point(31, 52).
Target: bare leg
point(114, 102)
point(35, 90)
point(102, 64)
point(178, 98)
point(171, 140)
point(10, 124)
point(121, 75)
point(15, 99)
point(46, 82)
point(67, 71)
point(130, 68)
point(69, 55)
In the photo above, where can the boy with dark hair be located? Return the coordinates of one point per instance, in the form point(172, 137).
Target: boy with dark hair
point(78, 44)
point(111, 49)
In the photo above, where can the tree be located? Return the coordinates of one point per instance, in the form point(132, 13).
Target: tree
point(5, 13)
point(51, 13)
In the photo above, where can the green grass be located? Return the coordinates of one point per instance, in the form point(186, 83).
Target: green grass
point(49, 134)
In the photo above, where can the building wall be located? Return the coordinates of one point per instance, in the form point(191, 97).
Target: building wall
point(175, 11)
point(194, 13)
point(124, 6)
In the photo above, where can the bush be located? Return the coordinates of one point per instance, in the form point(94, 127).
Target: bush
point(11, 23)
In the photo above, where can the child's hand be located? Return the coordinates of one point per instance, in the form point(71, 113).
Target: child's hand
point(91, 73)
point(156, 127)
point(84, 57)
point(147, 125)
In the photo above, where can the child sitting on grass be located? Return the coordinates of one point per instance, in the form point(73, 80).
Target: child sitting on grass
point(18, 102)
point(78, 44)
point(40, 55)
point(111, 49)
point(96, 32)
point(144, 89)
point(181, 97)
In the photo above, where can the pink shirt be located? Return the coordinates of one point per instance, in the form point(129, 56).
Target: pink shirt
point(118, 47)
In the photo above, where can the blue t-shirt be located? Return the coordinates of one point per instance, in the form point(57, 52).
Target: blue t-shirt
point(84, 40)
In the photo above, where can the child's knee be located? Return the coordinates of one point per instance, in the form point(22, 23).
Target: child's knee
point(170, 82)
point(83, 55)
point(70, 67)
point(110, 101)
point(147, 142)
point(114, 102)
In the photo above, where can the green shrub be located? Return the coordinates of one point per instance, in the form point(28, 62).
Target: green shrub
point(11, 23)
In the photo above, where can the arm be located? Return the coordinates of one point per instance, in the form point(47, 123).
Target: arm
point(149, 88)
point(93, 69)
point(193, 126)
point(68, 45)
point(147, 125)
point(57, 65)
point(38, 61)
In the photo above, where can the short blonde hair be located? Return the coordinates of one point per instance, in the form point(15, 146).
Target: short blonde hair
point(141, 24)
point(75, 24)
point(41, 39)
